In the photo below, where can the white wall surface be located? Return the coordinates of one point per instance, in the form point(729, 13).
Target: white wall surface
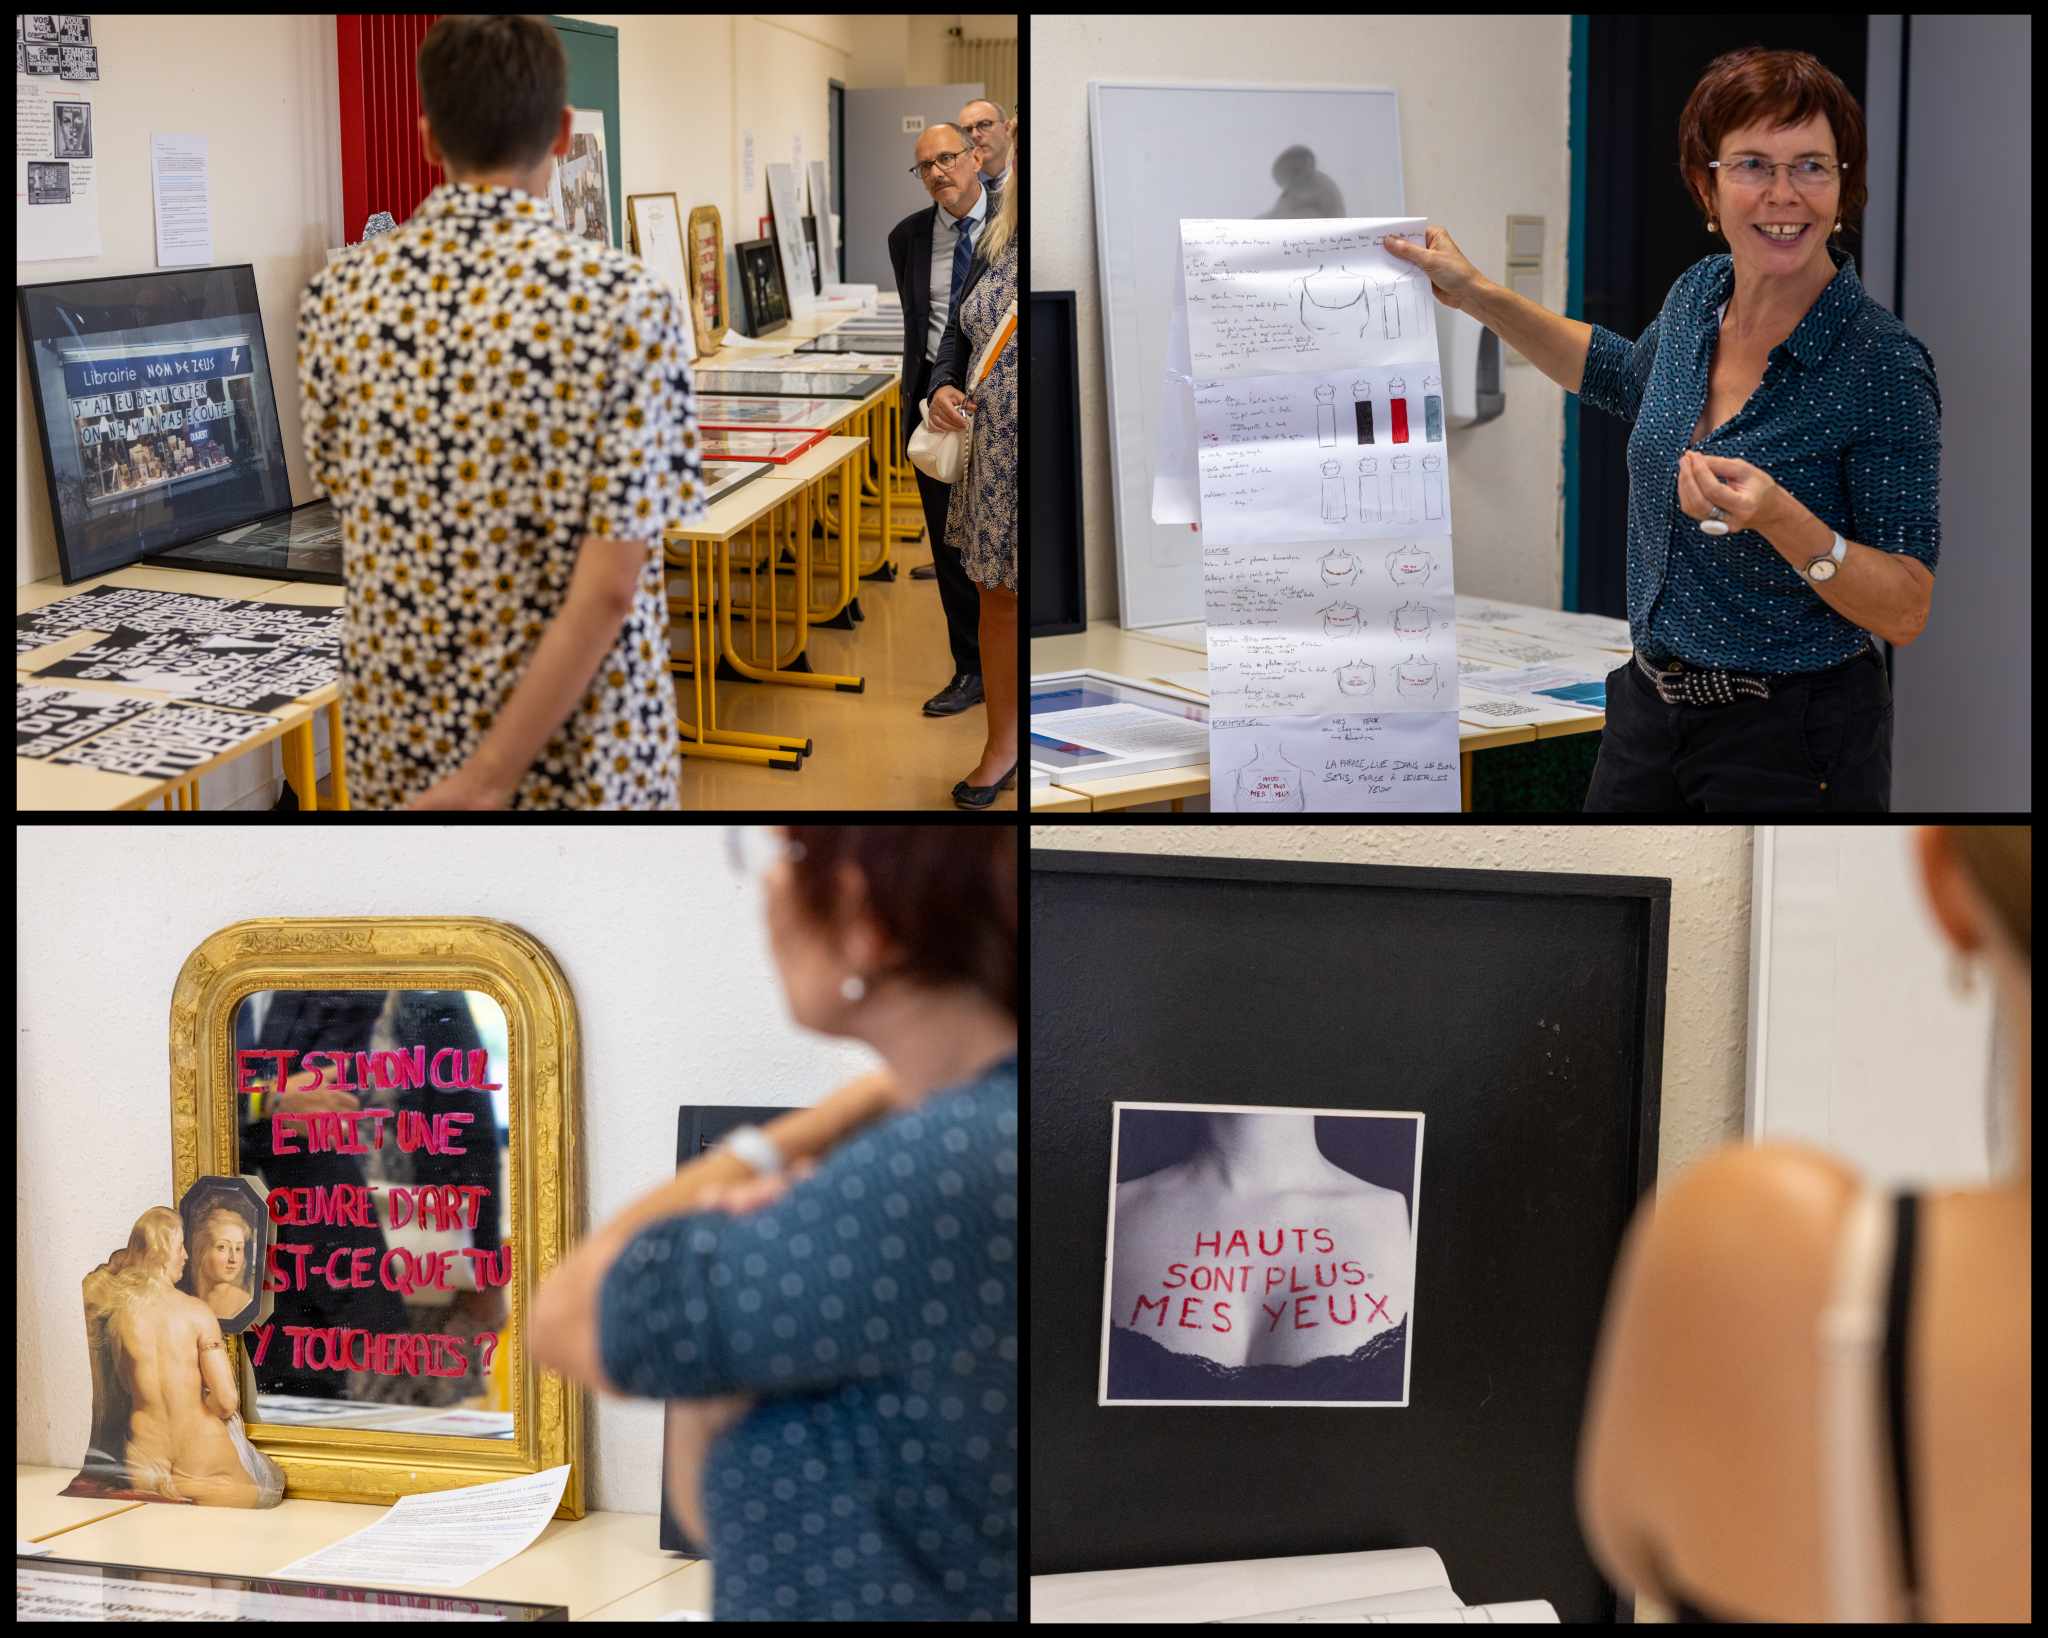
point(1509, 99)
point(676, 998)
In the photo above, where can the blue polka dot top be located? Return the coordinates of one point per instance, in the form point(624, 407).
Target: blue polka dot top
point(1847, 419)
point(873, 1310)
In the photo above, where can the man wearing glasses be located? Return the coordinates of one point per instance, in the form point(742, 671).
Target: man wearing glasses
point(988, 128)
point(931, 251)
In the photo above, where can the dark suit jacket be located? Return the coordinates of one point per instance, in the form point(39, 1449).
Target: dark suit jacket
point(910, 254)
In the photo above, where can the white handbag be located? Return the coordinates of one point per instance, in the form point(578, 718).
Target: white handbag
point(941, 456)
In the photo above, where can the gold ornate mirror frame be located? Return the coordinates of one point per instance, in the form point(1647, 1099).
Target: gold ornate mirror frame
point(409, 952)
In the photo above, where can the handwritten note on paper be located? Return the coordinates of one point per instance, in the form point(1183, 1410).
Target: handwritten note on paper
point(1323, 479)
point(1335, 764)
point(1273, 297)
point(1354, 455)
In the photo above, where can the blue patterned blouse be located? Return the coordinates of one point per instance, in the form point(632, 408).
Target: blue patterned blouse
point(1847, 419)
point(873, 1310)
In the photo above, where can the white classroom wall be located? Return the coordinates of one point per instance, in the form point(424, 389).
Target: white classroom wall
point(676, 998)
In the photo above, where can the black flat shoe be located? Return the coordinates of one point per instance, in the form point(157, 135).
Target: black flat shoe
point(963, 691)
point(981, 796)
point(925, 571)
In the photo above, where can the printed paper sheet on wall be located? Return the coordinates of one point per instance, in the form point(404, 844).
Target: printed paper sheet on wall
point(1309, 354)
point(1260, 1256)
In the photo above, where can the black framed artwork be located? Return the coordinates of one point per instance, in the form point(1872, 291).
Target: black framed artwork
point(156, 411)
point(1520, 1013)
point(761, 284)
point(1059, 600)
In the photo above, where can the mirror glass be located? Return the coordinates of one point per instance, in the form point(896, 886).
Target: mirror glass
point(376, 1121)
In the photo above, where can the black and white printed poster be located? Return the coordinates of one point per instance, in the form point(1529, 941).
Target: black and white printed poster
point(1260, 1256)
point(104, 608)
point(167, 743)
point(49, 720)
point(254, 672)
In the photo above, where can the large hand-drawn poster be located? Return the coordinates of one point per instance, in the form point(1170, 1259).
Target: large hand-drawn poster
point(1324, 490)
point(1260, 1256)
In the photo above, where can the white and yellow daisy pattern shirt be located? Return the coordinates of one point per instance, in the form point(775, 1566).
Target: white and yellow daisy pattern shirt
point(479, 391)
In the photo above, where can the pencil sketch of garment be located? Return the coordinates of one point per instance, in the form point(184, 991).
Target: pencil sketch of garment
point(1404, 489)
point(1409, 566)
point(1390, 318)
point(1370, 478)
point(1333, 493)
point(1417, 679)
point(1412, 619)
point(1397, 409)
point(1355, 680)
point(1269, 783)
point(1326, 416)
point(1361, 409)
point(1432, 484)
point(1433, 409)
point(1340, 568)
point(1331, 300)
point(1341, 620)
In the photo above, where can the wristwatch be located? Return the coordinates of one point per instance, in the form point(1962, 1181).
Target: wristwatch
point(755, 1147)
point(1823, 567)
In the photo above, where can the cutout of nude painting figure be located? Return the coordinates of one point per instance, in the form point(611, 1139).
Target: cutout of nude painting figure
point(166, 1412)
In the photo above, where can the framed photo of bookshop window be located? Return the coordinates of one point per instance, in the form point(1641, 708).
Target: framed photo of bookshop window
point(405, 1092)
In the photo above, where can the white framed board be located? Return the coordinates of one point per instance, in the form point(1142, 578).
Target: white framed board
point(1164, 150)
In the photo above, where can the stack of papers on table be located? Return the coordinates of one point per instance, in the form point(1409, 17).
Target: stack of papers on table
point(1403, 1584)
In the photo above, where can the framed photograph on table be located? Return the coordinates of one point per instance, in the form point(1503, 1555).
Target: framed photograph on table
point(656, 224)
point(707, 278)
point(761, 282)
point(1090, 724)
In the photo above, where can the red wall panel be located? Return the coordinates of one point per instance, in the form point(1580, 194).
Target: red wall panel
point(382, 167)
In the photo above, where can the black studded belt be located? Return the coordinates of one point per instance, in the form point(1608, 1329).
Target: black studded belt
point(1678, 685)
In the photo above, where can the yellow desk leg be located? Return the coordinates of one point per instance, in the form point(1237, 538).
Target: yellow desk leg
point(1465, 782)
point(776, 670)
point(703, 737)
point(299, 753)
point(336, 761)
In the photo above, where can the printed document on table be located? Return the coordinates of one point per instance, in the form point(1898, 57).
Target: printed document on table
point(445, 1539)
point(1567, 682)
point(1124, 730)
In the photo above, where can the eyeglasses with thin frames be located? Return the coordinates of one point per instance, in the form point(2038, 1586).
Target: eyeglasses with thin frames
point(937, 160)
point(978, 127)
point(1810, 174)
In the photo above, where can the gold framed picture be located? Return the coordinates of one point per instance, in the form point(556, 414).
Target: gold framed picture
point(707, 278)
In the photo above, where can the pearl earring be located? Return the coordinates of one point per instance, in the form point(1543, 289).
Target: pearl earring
point(853, 986)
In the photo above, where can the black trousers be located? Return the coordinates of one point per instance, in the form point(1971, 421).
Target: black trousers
point(1819, 744)
point(960, 595)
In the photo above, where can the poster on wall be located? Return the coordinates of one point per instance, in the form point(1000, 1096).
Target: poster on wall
point(56, 191)
point(579, 186)
point(1260, 1256)
point(785, 206)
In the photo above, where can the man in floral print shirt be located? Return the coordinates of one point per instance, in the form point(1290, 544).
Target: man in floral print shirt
point(504, 419)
